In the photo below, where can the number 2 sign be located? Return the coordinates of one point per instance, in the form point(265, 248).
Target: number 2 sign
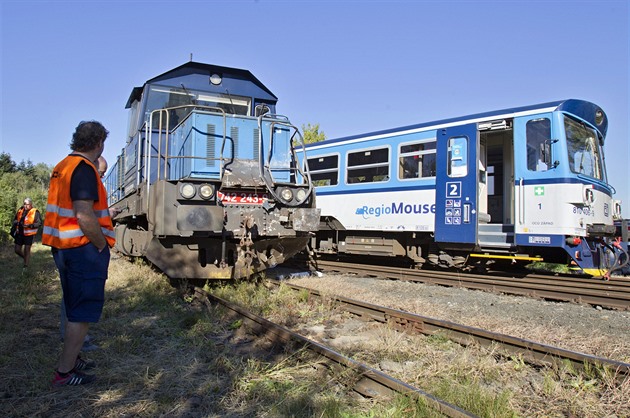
point(454, 189)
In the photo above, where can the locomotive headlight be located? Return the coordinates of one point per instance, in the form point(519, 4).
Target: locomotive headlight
point(215, 79)
point(206, 191)
point(301, 195)
point(286, 194)
point(187, 190)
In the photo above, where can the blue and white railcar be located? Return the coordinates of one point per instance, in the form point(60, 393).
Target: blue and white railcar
point(208, 184)
point(527, 184)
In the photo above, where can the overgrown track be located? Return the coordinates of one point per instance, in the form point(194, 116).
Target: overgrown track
point(372, 382)
point(613, 294)
point(535, 352)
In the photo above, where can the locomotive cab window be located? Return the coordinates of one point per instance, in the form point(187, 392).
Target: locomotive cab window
point(417, 160)
point(132, 121)
point(176, 98)
point(368, 166)
point(457, 156)
point(583, 149)
point(235, 105)
point(538, 133)
point(324, 170)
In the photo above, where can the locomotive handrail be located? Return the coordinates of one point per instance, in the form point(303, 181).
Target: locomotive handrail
point(276, 116)
point(264, 163)
point(163, 132)
point(147, 149)
point(210, 109)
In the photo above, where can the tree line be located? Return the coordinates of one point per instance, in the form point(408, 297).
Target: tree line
point(17, 182)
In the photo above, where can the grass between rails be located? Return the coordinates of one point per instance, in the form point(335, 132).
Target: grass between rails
point(477, 379)
point(162, 354)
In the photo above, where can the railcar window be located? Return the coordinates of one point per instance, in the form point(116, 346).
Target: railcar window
point(457, 156)
point(368, 166)
point(583, 148)
point(417, 160)
point(324, 170)
point(538, 131)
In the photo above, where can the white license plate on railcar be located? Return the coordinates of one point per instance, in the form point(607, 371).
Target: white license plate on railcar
point(242, 198)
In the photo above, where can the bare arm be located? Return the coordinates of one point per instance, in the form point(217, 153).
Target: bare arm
point(88, 222)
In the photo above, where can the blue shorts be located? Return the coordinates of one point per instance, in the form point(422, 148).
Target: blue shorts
point(83, 272)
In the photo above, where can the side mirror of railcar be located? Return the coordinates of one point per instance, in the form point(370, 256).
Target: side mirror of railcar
point(545, 153)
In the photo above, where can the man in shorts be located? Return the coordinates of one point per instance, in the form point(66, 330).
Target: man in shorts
point(27, 221)
point(79, 230)
point(88, 342)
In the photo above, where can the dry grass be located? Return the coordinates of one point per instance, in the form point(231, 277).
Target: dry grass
point(145, 366)
point(162, 355)
point(477, 379)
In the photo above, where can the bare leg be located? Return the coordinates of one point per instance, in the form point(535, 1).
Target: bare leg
point(72, 343)
point(63, 319)
point(18, 250)
point(27, 254)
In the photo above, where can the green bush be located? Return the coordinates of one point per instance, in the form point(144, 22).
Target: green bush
point(18, 181)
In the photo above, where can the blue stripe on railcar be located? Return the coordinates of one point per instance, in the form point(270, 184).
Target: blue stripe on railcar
point(580, 108)
point(602, 187)
point(321, 191)
point(385, 187)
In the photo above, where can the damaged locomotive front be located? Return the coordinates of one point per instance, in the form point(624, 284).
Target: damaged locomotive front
point(210, 184)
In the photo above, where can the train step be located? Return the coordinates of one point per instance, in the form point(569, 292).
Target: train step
point(496, 235)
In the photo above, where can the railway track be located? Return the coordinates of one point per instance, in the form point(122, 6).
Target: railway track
point(536, 353)
point(372, 383)
point(612, 294)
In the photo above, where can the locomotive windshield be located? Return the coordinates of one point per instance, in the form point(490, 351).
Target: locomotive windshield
point(583, 149)
point(161, 97)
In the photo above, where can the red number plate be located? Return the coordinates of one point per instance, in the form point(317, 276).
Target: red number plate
point(242, 198)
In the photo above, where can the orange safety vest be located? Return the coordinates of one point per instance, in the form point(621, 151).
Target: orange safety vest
point(61, 227)
point(29, 220)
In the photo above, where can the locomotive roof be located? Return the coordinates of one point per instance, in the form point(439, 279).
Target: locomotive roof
point(581, 108)
point(193, 67)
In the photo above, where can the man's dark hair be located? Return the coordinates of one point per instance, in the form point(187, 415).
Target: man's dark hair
point(88, 136)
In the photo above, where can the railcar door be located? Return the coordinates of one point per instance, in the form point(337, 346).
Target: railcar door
point(456, 186)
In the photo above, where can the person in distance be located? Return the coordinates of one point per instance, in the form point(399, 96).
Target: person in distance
point(25, 225)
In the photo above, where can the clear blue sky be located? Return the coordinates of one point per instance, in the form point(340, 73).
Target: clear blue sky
point(351, 66)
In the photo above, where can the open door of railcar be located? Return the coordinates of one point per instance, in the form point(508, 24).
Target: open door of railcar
point(456, 191)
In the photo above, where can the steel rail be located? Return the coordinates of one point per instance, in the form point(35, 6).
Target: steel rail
point(611, 294)
point(372, 383)
point(466, 335)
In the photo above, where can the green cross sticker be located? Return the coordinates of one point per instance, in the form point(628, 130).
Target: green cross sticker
point(539, 191)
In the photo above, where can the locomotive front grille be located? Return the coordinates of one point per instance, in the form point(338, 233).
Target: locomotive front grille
point(256, 144)
point(211, 146)
point(234, 135)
